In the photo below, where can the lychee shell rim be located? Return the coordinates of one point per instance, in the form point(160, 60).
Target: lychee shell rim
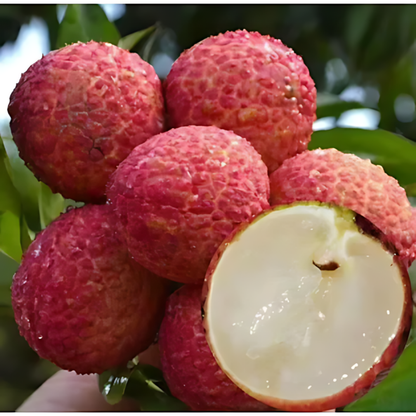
point(369, 379)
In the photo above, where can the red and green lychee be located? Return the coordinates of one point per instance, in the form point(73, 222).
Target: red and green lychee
point(179, 194)
point(188, 364)
point(79, 300)
point(248, 83)
point(330, 176)
point(79, 111)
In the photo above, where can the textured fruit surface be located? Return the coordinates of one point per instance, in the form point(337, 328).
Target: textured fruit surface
point(328, 175)
point(178, 195)
point(248, 83)
point(188, 365)
point(79, 111)
point(77, 299)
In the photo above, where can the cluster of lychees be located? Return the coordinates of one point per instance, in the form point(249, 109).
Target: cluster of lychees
point(176, 168)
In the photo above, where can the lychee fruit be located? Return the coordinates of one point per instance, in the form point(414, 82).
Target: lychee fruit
point(328, 175)
point(79, 300)
point(248, 83)
point(79, 111)
point(188, 365)
point(306, 308)
point(178, 195)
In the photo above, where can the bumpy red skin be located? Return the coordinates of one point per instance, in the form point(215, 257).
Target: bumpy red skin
point(248, 83)
point(79, 111)
point(77, 299)
point(370, 379)
point(343, 179)
point(178, 195)
point(188, 365)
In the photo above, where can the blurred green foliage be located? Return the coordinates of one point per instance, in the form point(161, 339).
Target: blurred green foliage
point(395, 395)
point(84, 22)
point(396, 154)
point(360, 56)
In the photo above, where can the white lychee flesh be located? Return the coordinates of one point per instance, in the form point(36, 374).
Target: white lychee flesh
point(282, 327)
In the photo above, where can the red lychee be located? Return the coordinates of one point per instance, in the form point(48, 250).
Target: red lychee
point(79, 301)
point(79, 111)
point(328, 175)
point(188, 364)
point(178, 195)
point(248, 83)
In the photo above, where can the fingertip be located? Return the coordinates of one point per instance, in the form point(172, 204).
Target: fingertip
point(67, 391)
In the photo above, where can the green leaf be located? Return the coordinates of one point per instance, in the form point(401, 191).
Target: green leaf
point(85, 22)
point(5, 296)
point(154, 377)
point(151, 400)
point(396, 392)
point(138, 381)
point(412, 335)
point(8, 268)
point(113, 389)
point(50, 205)
point(150, 396)
point(410, 190)
point(10, 211)
point(10, 235)
point(396, 80)
point(151, 373)
point(9, 197)
point(129, 41)
point(112, 383)
point(39, 205)
point(26, 235)
point(379, 36)
point(357, 24)
point(147, 47)
point(70, 203)
point(396, 154)
point(71, 29)
point(26, 184)
point(330, 105)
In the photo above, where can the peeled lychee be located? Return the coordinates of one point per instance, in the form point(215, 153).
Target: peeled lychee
point(79, 301)
point(79, 111)
point(178, 195)
point(328, 175)
point(306, 308)
point(188, 365)
point(248, 83)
